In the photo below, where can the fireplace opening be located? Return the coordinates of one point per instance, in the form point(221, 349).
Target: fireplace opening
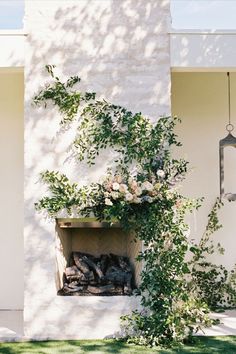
point(95, 260)
point(108, 274)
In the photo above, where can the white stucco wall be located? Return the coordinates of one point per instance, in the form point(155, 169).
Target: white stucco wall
point(11, 190)
point(121, 50)
point(201, 100)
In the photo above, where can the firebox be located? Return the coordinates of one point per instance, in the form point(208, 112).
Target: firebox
point(95, 259)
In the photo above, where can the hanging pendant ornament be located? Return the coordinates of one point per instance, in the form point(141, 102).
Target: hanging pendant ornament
point(228, 141)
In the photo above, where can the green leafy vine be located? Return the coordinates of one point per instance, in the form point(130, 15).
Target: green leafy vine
point(212, 283)
point(174, 290)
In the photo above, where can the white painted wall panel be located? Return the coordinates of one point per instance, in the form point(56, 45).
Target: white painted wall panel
point(12, 44)
point(200, 100)
point(11, 191)
point(203, 51)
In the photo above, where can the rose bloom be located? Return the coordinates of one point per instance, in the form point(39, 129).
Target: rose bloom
point(130, 180)
point(138, 191)
point(108, 201)
point(152, 193)
point(137, 200)
point(118, 178)
point(128, 197)
point(160, 173)
point(115, 195)
point(123, 188)
point(147, 186)
point(178, 203)
point(108, 186)
point(133, 185)
point(115, 186)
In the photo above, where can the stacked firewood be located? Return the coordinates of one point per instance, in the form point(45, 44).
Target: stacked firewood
point(105, 275)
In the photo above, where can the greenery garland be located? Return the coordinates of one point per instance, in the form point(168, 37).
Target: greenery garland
point(174, 291)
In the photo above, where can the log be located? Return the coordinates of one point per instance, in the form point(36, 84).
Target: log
point(73, 273)
point(124, 264)
point(80, 264)
point(82, 280)
point(88, 275)
point(119, 290)
point(104, 263)
point(72, 288)
point(100, 289)
point(113, 259)
point(127, 286)
point(94, 266)
point(116, 276)
point(68, 289)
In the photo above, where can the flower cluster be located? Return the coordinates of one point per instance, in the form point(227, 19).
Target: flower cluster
point(132, 190)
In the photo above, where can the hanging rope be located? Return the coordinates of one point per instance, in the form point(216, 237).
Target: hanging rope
point(229, 126)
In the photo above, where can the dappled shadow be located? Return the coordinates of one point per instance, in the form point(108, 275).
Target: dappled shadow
point(210, 345)
point(202, 51)
point(121, 52)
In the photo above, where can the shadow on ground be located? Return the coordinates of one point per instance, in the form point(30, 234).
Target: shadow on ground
point(210, 345)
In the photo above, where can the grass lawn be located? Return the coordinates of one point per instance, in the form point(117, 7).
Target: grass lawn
point(203, 345)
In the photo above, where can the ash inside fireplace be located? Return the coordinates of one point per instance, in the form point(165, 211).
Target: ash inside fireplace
point(107, 275)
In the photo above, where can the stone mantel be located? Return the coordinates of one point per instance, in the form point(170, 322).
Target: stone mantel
point(86, 222)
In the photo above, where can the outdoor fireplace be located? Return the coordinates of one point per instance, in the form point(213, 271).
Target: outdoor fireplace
point(94, 258)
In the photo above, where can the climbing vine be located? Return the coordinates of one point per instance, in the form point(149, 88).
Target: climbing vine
point(145, 199)
point(210, 282)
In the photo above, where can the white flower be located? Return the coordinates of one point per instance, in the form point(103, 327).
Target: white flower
point(137, 200)
point(108, 201)
point(115, 195)
point(138, 191)
point(157, 186)
point(115, 186)
point(147, 186)
point(134, 185)
point(169, 194)
point(108, 186)
point(123, 188)
point(128, 197)
point(168, 245)
point(160, 173)
point(130, 180)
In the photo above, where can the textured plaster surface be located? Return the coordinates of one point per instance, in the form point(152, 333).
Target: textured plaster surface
point(120, 49)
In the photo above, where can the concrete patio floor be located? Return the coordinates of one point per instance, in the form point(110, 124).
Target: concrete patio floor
point(227, 327)
point(12, 325)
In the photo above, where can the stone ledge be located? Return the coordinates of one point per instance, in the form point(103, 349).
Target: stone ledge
point(87, 317)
